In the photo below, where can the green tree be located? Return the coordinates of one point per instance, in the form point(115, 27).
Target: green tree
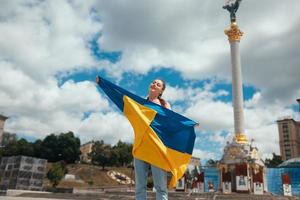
point(19, 147)
point(49, 148)
point(25, 148)
point(103, 154)
point(274, 162)
point(8, 137)
point(69, 146)
point(11, 149)
point(56, 173)
point(37, 147)
point(124, 153)
point(64, 146)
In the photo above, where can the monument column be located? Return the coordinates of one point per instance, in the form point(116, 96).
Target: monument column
point(234, 35)
point(240, 160)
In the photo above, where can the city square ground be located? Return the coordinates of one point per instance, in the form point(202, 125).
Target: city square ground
point(129, 195)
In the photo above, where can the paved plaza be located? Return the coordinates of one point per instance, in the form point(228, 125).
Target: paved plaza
point(116, 195)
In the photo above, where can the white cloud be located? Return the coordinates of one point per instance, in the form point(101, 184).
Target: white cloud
point(38, 109)
point(217, 137)
point(203, 155)
point(154, 33)
point(266, 138)
point(46, 37)
point(188, 36)
point(212, 116)
point(38, 40)
point(109, 127)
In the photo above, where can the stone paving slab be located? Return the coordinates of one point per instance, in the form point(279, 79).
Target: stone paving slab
point(25, 198)
point(117, 195)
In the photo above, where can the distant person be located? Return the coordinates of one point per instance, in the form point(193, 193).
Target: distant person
point(211, 186)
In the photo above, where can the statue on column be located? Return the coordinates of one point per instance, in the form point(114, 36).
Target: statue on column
point(232, 6)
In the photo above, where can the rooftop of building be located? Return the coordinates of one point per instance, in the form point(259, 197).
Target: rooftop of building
point(88, 143)
point(293, 162)
point(287, 118)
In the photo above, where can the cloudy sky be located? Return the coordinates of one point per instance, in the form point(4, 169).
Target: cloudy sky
point(51, 51)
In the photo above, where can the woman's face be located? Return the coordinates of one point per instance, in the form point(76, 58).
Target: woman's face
point(156, 87)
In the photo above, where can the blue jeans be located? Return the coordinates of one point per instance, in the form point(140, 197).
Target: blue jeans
point(141, 169)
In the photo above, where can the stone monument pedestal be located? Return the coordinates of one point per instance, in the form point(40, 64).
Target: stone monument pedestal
point(241, 169)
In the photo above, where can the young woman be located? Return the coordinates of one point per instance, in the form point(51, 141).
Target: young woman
point(141, 168)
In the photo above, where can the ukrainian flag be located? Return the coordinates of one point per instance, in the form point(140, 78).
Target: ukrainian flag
point(163, 138)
